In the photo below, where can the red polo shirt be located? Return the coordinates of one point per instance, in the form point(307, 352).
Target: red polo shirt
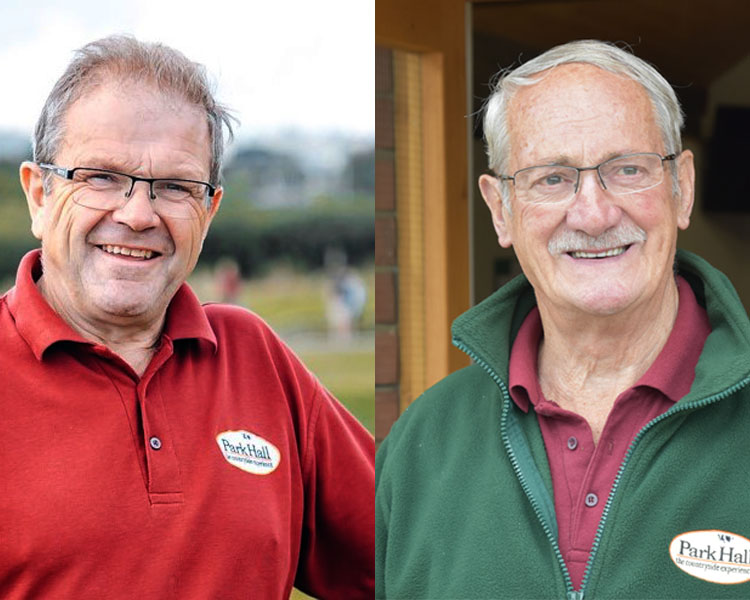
point(225, 471)
point(582, 475)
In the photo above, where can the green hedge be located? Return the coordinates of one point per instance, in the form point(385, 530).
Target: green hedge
point(301, 239)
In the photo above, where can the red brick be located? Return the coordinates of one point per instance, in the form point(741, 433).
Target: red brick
point(385, 298)
point(386, 412)
point(384, 123)
point(383, 70)
point(385, 184)
point(385, 241)
point(386, 358)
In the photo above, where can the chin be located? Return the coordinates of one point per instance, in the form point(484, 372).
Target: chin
point(603, 305)
point(119, 308)
point(127, 300)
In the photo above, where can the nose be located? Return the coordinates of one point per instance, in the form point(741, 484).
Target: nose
point(138, 210)
point(598, 177)
point(592, 210)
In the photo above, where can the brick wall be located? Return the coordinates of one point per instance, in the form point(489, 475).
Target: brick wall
point(386, 270)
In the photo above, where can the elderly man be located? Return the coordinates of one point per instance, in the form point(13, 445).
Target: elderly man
point(597, 447)
point(153, 447)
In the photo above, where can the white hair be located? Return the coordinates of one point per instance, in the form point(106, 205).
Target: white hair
point(667, 112)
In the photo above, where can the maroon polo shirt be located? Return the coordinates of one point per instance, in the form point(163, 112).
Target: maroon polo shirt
point(582, 474)
point(225, 471)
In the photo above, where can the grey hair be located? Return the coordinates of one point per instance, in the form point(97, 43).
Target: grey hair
point(123, 58)
point(667, 111)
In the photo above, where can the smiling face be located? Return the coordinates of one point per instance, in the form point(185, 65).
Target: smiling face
point(113, 267)
point(597, 253)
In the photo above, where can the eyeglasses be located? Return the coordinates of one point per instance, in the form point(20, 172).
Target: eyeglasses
point(626, 174)
point(103, 189)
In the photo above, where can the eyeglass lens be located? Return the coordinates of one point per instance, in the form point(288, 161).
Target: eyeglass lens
point(105, 190)
point(620, 175)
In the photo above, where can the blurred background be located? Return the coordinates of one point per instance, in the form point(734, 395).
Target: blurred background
point(294, 238)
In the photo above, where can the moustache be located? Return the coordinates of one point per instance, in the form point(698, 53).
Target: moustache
point(569, 241)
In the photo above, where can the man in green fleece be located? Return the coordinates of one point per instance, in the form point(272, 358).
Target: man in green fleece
point(598, 446)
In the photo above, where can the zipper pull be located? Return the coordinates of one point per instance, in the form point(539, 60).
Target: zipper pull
point(575, 595)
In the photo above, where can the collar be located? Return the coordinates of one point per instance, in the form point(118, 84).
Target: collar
point(671, 373)
point(41, 327)
point(486, 331)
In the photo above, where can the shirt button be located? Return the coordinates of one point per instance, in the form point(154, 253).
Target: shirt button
point(155, 443)
point(572, 443)
point(591, 500)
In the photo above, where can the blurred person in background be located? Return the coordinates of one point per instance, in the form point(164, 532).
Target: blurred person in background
point(345, 298)
point(152, 447)
point(597, 447)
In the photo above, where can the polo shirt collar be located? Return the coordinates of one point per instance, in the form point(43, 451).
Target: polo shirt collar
point(41, 327)
point(186, 319)
point(667, 374)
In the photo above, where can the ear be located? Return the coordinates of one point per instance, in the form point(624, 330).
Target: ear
point(213, 209)
point(686, 180)
point(490, 188)
point(31, 182)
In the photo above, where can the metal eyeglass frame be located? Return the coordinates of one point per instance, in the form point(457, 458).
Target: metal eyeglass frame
point(68, 174)
point(594, 168)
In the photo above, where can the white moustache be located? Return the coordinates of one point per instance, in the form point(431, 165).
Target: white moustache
point(572, 241)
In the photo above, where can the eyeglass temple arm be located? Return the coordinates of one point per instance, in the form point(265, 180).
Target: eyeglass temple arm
point(62, 172)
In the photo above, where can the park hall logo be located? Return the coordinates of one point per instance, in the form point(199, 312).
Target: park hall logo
point(249, 452)
point(712, 555)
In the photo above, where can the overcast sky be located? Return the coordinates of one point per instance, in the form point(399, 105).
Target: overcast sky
point(291, 64)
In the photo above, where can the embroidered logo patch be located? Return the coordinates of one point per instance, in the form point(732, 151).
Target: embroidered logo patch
point(712, 555)
point(249, 452)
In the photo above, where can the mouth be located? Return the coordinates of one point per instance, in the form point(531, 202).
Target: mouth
point(598, 254)
point(140, 254)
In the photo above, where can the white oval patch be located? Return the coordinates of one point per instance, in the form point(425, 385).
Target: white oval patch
point(712, 555)
point(249, 452)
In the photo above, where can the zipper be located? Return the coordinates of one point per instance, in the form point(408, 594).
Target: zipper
point(676, 409)
point(572, 594)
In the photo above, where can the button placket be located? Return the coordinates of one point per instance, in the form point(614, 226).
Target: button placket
point(164, 479)
point(591, 500)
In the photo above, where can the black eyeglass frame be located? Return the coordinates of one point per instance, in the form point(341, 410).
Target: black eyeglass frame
point(579, 169)
point(69, 173)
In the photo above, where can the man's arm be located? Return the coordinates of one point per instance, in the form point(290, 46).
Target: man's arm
point(337, 554)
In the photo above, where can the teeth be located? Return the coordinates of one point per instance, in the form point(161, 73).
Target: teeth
point(134, 252)
point(604, 254)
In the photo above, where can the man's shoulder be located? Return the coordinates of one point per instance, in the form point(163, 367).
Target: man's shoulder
point(459, 387)
point(238, 328)
point(233, 315)
point(231, 321)
point(455, 402)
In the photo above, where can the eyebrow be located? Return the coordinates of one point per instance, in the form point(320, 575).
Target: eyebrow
point(566, 161)
point(119, 167)
point(107, 164)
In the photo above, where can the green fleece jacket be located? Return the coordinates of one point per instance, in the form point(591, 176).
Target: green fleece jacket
point(464, 504)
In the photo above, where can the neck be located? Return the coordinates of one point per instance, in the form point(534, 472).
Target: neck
point(586, 362)
point(134, 339)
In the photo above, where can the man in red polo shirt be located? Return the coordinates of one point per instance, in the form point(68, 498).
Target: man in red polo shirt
point(151, 447)
point(598, 446)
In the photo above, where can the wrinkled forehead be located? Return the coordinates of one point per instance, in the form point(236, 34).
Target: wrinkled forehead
point(138, 125)
point(134, 90)
point(577, 109)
